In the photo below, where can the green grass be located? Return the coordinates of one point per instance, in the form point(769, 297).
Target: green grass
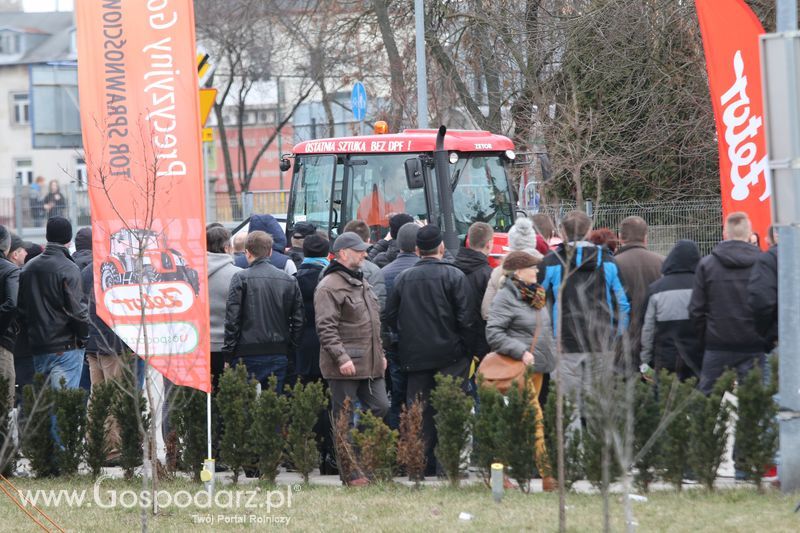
point(399, 508)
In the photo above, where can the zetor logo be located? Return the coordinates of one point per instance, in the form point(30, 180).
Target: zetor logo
point(156, 299)
point(483, 146)
point(742, 147)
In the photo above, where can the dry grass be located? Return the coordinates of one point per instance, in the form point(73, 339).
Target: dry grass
point(399, 508)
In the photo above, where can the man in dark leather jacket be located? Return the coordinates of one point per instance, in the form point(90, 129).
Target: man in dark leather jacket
point(264, 314)
point(53, 314)
point(9, 286)
point(431, 309)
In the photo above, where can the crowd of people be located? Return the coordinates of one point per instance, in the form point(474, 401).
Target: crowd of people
point(377, 321)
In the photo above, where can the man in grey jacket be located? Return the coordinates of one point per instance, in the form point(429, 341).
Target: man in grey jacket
point(221, 269)
point(372, 272)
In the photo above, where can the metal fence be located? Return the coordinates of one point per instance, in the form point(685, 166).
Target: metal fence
point(228, 208)
point(27, 213)
point(699, 220)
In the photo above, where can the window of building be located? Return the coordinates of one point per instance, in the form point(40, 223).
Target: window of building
point(23, 171)
point(81, 177)
point(20, 108)
point(10, 43)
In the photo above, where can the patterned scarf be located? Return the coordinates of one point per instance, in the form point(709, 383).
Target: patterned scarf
point(533, 295)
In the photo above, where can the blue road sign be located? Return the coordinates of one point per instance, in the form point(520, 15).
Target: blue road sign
point(358, 101)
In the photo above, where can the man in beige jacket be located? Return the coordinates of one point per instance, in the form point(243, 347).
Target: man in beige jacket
point(349, 328)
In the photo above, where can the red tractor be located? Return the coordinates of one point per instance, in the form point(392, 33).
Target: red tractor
point(449, 178)
point(159, 262)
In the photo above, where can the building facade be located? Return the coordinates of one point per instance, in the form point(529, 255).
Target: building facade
point(39, 119)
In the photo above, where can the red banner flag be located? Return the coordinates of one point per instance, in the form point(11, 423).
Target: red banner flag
point(730, 40)
point(141, 134)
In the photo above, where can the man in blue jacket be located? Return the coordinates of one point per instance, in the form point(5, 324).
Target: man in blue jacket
point(592, 307)
point(269, 225)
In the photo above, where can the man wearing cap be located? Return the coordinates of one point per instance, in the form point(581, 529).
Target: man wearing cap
point(431, 310)
point(17, 252)
point(349, 329)
point(9, 286)
point(53, 315)
point(300, 231)
point(264, 314)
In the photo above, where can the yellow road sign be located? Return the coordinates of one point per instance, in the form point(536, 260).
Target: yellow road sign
point(207, 99)
point(202, 65)
point(208, 135)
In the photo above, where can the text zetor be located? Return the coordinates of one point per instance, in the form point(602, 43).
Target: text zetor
point(742, 148)
point(155, 299)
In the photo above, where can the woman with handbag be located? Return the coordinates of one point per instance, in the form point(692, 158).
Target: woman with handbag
point(519, 327)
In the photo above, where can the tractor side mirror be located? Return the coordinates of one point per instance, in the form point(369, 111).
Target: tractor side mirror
point(415, 177)
point(285, 164)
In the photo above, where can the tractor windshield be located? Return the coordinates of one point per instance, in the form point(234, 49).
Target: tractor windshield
point(311, 190)
point(481, 192)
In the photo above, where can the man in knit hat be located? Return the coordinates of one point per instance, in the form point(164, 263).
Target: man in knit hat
point(53, 315)
point(430, 308)
point(83, 248)
point(386, 250)
point(407, 258)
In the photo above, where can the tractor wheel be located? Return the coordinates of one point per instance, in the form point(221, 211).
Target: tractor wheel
point(109, 276)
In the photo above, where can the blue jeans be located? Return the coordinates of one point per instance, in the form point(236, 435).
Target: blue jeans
point(261, 367)
point(55, 366)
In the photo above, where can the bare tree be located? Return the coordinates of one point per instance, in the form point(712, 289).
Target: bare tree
point(243, 38)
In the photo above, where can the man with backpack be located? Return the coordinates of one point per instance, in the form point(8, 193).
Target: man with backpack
point(591, 309)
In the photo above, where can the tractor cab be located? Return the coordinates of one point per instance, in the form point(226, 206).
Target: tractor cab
point(449, 178)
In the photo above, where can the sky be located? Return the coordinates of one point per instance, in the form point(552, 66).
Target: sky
point(47, 5)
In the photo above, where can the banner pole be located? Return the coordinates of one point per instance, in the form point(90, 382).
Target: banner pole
point(208, 423)
point(209, 467)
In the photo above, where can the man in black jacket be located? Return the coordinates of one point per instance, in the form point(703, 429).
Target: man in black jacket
point(53, 315)
point(432, 311)
point(719, 309)
point(386, 250)
point(473, 261)
point(9, 287)
point(83, 248)
point(264, 314)
point(762, 294)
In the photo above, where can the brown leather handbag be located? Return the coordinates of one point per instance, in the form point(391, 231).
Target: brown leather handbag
point(501, 371)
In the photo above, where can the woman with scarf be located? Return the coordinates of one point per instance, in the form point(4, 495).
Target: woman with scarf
point(517, 314)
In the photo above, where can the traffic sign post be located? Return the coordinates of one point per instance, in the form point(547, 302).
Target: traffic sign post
point(780, 66)
point(358, 102)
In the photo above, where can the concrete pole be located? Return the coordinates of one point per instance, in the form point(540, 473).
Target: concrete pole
point(422, 73)
point(786, 15)
point(789, 318)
